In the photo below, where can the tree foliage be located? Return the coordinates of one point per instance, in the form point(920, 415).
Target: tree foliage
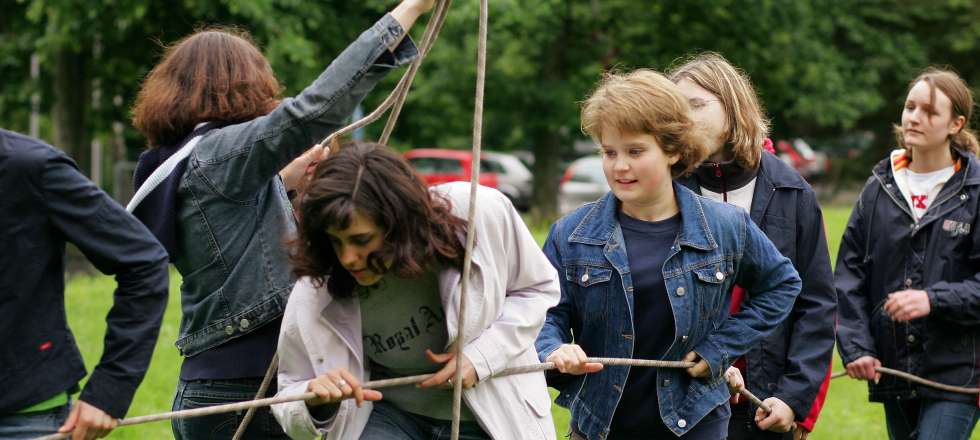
point(822, 67)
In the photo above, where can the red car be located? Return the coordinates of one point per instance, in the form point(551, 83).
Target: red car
point(437, 166)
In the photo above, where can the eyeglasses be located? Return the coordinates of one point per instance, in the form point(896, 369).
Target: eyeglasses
point(698, 103)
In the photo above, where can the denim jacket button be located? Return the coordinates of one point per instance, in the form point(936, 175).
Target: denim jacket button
point(681, 423)
point(666, 382)
point(911, 339)
point(684, 338)
point(585, 277)
point(719, 276)
point(229, 330)
point(244, 323)
point(680, 291)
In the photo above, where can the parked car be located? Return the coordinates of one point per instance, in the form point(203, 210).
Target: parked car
point(582, 182)
point(799, 155)
point(513, 177)
point(437, 165)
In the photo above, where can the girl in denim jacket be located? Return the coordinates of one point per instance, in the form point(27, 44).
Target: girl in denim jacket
point(647, 271)
point(224, 216)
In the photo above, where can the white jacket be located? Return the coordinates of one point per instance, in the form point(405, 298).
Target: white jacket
point(511, 287)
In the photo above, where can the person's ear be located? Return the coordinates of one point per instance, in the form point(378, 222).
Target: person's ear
point(956, 125)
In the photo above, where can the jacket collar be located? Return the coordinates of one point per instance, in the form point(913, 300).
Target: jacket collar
point(599, 223)
point(967, 174)
point(778, 174)
point(966, 164)
point(773, 174)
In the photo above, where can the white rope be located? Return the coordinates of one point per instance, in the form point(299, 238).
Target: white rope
point(481, 65)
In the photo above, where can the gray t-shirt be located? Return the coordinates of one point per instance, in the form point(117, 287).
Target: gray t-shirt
point(400, 318)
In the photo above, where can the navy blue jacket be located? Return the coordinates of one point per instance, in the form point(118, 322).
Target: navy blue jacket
point(791, 363)
point(883, 251)
point(44, 203)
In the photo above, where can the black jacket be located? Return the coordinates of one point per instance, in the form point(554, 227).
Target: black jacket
point(792, 362)
point(44, 203)
point(883, 251)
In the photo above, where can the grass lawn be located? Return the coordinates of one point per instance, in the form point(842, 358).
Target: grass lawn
point(846, 415)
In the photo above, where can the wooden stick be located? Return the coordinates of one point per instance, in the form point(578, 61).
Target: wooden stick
point(374, 384)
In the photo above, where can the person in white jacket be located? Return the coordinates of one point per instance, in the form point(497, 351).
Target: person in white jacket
point(379, 258)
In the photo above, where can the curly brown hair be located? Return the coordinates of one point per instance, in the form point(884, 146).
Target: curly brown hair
point(420, 231)
point(215, 74)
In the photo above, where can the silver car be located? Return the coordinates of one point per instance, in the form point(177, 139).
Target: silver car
point(513, 178)
point(583, 182)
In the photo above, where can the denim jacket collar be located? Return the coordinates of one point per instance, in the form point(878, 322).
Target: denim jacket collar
point(599, 226)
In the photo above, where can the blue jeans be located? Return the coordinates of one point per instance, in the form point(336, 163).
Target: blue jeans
point(387, 422)
point(33, 424)
point(930, 419)
point(200, 393)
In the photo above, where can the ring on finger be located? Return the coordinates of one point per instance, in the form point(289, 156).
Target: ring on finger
point(341, 383)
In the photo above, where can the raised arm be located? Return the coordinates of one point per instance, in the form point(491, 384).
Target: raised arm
point(240, 159)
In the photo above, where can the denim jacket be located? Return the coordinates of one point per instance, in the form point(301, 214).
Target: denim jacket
point(233, 215)
point(718, 245)
point(791, 363)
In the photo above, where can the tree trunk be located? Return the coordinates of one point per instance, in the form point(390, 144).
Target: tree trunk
point(547, 151)
point(547, 138)
point(71, 100)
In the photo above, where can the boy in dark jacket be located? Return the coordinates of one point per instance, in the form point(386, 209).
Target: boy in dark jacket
point(45, 203)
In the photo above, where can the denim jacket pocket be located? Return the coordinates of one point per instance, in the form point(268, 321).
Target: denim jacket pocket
point(586, 275)
point(590, 288)
point(713, 283)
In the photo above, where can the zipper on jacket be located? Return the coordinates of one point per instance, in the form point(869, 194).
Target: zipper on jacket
point(901, 205)
point(724, 184)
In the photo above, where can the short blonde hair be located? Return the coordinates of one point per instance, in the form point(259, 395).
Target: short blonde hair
point(644, 101)
point(747, 123)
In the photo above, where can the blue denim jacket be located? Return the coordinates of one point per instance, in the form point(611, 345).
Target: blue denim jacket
point(233, 215)
point(717, 246)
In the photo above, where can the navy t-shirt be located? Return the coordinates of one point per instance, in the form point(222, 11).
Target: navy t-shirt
point(647, 247)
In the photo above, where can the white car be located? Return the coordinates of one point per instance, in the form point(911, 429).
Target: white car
point(513, 178)
point(582, 183)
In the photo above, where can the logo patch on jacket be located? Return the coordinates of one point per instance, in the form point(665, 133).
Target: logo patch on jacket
point(955, 228)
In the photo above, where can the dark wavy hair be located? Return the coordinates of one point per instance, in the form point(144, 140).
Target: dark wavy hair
point(215, 74)
point(420, 231)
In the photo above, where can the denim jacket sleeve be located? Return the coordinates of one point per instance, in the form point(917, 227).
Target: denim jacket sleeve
point(853, 329)
point(774, 285)
point(811, 345)
point(117, 244)
point(562, 318)
point(239, 159)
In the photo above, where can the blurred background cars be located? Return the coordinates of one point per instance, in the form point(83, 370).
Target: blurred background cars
point(502, 171)
point(582, 182)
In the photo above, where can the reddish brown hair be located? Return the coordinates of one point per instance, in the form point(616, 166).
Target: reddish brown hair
point(216, 74)
point(420, 231)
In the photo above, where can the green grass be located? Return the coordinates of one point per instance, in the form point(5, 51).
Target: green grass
point(847, 413)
